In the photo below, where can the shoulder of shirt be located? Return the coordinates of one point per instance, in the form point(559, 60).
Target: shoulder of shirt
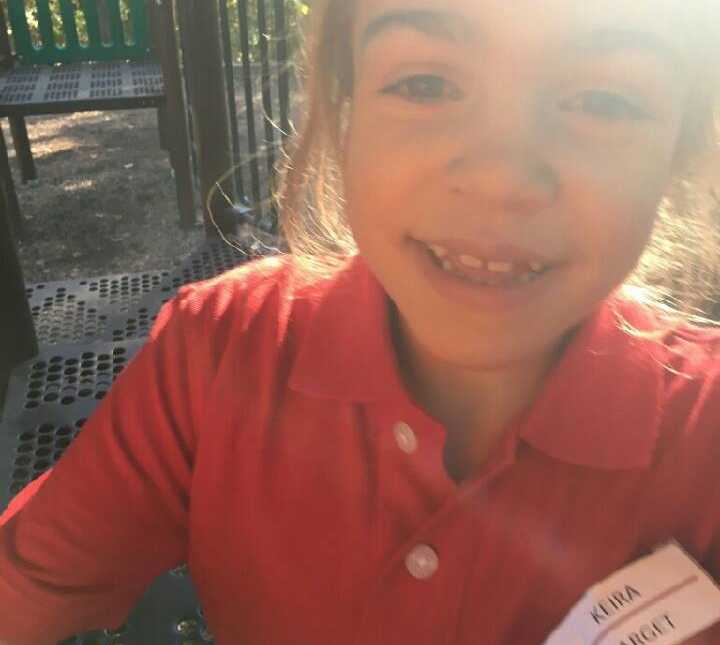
point(215, 295)
point(685, 352)
point(690, 356)
point(689, 360)
point(267, 291)
point(686, 361)
point(686, 358)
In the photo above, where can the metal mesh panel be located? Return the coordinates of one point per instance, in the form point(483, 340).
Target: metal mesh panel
point(19, 88)
point(146, 81)
point(63, 374)
point(79, 85)
point(51, 396)
point(63, 86)
point(169, 613)
point(123, 306)
point(78, 310)
point(38, 447)
point(212, 258)
point(106, 80)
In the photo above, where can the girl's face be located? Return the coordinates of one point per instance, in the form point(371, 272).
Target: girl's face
point(525, 145)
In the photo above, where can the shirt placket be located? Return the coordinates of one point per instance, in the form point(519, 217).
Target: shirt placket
point(418, 592)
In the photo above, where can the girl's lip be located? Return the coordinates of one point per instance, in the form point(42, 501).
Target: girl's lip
point(500, 251)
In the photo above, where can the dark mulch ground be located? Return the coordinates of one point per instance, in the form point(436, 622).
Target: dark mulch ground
point(104, 201)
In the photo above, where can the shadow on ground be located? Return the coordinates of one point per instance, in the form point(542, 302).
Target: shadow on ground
point(104, 200)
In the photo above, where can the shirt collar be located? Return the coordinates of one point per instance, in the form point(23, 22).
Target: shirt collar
point(347, 352)
point(600, 405)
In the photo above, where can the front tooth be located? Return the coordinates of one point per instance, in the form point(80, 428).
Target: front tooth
point(536, 267)
point(439, 251)
point(471, 261)
point(500, 267)
point(447, 265)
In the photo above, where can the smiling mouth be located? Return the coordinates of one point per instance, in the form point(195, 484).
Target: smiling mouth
point(495, 272)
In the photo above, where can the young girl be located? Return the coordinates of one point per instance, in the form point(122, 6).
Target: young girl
point(441, 420)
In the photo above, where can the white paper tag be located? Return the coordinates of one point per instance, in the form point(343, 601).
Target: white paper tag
point(664, 599)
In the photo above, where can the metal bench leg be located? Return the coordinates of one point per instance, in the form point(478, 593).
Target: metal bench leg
point(179, 152)
point(172, 113)
point(163, 128)
point(9, 197)
point(23, 151)
point(18, 341)
point(178, 147)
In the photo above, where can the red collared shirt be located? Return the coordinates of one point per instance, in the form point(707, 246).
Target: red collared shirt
point(263, 435)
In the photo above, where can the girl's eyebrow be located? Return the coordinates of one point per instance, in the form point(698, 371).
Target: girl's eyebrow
point(451, 27)
point(438, 24)
point(608, 41)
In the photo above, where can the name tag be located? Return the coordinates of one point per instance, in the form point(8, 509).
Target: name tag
point(664, 598)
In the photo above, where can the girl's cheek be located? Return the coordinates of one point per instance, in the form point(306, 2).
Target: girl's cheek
point(610, 211)
point(405, 135)
point(387, 154)
point(636, 162)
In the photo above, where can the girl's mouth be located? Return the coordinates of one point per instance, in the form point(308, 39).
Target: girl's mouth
point(487, 272)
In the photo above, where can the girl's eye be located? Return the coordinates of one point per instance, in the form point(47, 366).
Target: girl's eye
point(606, 105)
point(425, 88)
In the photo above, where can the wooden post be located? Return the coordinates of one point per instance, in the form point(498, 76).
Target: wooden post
point(203, 62)
point(18, 341)
point(7, 191)
point(172, 116)
point(18, 129)
point(23, 151)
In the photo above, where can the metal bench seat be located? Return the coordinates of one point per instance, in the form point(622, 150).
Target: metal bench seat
point(51, 66)
point(80, 87)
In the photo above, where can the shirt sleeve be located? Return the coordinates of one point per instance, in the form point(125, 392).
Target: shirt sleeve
point(82, 543)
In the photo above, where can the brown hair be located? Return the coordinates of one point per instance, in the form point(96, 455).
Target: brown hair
point(680, 269)
point(309, 198)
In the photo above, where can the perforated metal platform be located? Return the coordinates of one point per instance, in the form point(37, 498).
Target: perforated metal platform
point(63, 375)
point(80, 86)
point(208, 261)
point(34, 441)
point(214, 258)
point(169, 612)
point(89, 331)
point(76, 311)
point(124, 306)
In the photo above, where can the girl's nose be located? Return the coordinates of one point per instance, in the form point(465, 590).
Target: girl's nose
point(500, 165)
